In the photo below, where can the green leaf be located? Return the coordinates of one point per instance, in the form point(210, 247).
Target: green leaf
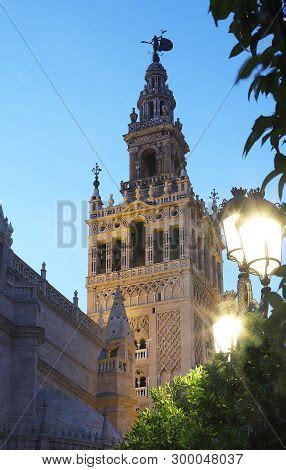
point(280, 162)
point(281, 271)
point(275, 299)
point(248, 67)
point(261, 125)
point(265, 138)
point(238, 49)
point(269, 178)
point(221, 9)
point(281, 185)
point(282, 283)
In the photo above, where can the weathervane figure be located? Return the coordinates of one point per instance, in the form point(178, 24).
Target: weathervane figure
point(159, 44)
point(96, 172)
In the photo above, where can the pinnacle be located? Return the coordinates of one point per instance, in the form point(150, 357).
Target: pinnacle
point(117, 326)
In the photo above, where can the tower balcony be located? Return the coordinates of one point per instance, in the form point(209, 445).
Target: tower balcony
point(112, 365)
point(142, 392)
point(136, 126)
point(157, 180)
point(165, 266)
point(141, 354)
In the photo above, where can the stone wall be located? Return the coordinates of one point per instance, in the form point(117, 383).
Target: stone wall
point(48, 366)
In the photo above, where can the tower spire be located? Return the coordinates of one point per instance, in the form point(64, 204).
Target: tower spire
point(117, 326)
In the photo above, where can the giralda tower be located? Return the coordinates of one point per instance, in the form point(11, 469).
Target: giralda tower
point(160, 244)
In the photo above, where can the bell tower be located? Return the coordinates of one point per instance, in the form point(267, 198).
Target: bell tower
point(160, 244)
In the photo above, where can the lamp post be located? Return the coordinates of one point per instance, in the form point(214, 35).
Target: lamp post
point(253, 229)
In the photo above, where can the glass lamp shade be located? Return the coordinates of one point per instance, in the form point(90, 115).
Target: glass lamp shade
point(261, 234)
point(226, 331)
point(229, 216)
point(232, 239)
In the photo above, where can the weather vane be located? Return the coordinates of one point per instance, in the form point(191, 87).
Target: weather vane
point(214, 197)
point(96, 172)
point(159, 44)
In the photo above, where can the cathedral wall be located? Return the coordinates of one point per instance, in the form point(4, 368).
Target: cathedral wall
point(71, 353)
point(5, 363)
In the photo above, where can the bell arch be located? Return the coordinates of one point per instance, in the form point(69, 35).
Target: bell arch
point(149, 163)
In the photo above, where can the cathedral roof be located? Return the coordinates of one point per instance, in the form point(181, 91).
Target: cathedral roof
point(117, 326)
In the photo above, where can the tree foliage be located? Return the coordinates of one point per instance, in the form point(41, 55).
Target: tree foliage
point(259, 27)
point(226, 404)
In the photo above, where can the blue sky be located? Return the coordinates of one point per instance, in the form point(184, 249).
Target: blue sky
point(91, 52)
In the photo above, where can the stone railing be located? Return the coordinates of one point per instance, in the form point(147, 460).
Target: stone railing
point(145, 182)
point(41, 287)
point(110, 365)
point(142, 392)
point(141, 354)
point(135, 126)
point(61, 437)
point(140, 271)
point(172, 196)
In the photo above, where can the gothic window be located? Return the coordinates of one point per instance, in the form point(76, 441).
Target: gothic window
point(113, 352)
point(219, 274)
point(148, 163)
point(150, 109)
point(137, 242)
point(194, 247)
point(174, 242)
point(214, 271)
point(158, 245)
point(116, 254)
point(200, 253)
point(93, 260)
point(101, 258)
point(207, 260)
point(142, 343)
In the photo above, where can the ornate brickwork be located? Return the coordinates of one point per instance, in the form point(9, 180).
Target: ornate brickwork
point(198, 330)
point(140, 294)
point(140, 326)
point(169, 341)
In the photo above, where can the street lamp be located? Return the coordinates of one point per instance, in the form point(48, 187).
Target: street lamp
point(226, 331)
point(228, 325)
point(229, 216)
point(254, 236)
point(261, 227)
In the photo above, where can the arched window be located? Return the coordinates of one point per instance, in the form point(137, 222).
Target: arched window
point(101, 258)
point(142, 343)
point(137, 242)
point(116, 254)
point(174, 242)
point(150, 109)
point(148, 163)
point(158, 245)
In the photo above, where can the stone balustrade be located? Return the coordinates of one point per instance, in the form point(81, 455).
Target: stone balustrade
point(37, 286)
point(139, 271)
point(142, 392)
point(141, 354)
point(110, 365)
